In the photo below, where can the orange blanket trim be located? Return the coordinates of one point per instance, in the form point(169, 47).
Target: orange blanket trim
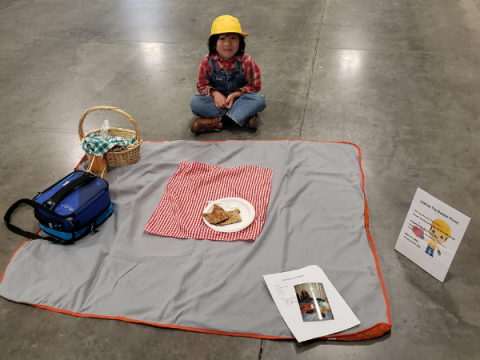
point(365, 334)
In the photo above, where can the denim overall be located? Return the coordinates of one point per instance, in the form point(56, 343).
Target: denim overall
point(227, 82)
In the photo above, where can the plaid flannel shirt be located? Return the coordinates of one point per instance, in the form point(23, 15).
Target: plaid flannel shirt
point(250, 69)
point(95, 145)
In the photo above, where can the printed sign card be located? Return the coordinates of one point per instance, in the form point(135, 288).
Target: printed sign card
point(431, 234)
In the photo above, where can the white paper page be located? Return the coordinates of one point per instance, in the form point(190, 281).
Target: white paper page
point(282, 289)
point(414, 239)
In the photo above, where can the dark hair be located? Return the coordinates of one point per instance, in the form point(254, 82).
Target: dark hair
point(212, 44)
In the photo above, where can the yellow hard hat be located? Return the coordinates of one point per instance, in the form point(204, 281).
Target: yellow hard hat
point(442, 226)
point(226, 24)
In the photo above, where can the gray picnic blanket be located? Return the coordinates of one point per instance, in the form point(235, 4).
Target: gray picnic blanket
point(316, 216)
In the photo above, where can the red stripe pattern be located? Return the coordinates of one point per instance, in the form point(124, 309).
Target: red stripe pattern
point(194, 184)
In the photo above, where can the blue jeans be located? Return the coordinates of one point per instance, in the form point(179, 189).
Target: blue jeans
point(242, 109)
point(429, 251)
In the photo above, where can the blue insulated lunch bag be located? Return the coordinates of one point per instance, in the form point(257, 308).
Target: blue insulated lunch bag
point(69, 209)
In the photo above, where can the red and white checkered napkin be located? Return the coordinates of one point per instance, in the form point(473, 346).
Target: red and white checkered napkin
point(179, 213)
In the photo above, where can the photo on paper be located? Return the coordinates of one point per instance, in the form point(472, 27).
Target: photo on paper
point(313, 302)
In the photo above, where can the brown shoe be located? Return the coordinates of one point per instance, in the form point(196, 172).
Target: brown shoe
point(252, 122)
point(201, 125)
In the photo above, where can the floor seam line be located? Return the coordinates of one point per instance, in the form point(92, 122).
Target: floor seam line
point(311, 72)
point(1, 11)
point(260, 354)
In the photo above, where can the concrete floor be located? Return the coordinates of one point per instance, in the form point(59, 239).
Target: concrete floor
point(399, 78)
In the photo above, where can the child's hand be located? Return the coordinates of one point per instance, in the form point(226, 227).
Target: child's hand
point(231, 98)
point(219, 99)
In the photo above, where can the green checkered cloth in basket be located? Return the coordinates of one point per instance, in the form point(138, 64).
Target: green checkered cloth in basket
point(94, 144)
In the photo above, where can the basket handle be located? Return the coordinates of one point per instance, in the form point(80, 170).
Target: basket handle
point(120, 111)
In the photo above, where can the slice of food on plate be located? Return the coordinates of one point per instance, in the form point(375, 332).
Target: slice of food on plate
point(233, 217)
point(216, 216)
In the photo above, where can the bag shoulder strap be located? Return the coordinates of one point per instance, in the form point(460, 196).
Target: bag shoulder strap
point(27, 234)
point(66, 189)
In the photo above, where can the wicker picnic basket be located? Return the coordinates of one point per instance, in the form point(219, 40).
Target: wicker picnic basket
point(126, 156)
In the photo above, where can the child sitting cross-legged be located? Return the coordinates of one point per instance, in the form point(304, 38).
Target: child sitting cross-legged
point(228, 82)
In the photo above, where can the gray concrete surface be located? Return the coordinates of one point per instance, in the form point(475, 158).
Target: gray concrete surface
point(399, 78)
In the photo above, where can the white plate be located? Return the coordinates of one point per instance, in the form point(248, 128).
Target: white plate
point(247, 213)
